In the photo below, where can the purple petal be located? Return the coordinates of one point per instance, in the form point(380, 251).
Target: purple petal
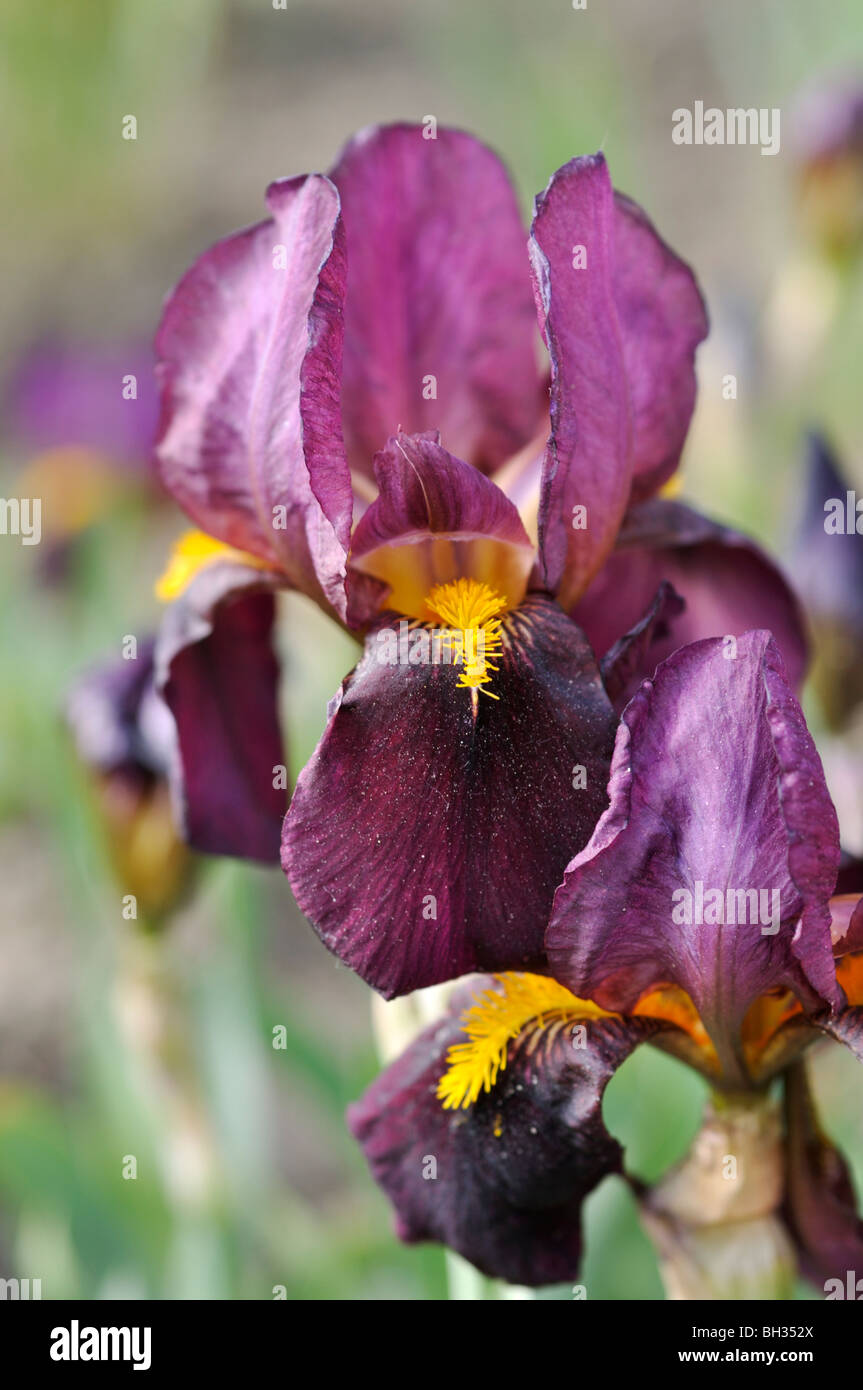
point(117, 720)
point(662, 320)
point(819, 1208)
point(511, 1172)
point(423, 842)
point(828, 574)
point(438, 287)
point(633, 656)
point(219, 676)
point(250, 346)
point(426, 496)
point(715, 787)
point(729, 585)
point(588, 460)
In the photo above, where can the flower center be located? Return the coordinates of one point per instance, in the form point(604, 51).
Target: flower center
point(471, 611)
point(517, 1002)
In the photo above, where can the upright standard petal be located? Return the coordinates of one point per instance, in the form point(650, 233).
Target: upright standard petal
point(426, 836)
point(250, 350)
point(728, 583)
point(713, 866)
point(218, 674)
point(503, 1182)
point(440, 331)
point(662, 320)
point(587, 470)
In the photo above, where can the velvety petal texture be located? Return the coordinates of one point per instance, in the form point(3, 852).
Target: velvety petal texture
point(728, 583)
point(713, 867)
point(250, 352)
point(218, 673)
point(503, 1182)
point(426, 840)
point(440, 330)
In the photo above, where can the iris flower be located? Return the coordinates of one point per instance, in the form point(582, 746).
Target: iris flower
point(487, 1133)
point(353, 407)
point(827, 562)
point(124, 737)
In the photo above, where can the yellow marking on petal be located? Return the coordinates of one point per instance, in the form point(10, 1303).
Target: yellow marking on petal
point(192, 553)
point(471, 613)
point(674, 486)
point(491, 1023)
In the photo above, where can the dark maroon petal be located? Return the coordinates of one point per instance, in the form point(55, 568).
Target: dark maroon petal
point(662, 320)
point(820, 1207)
point(729, 585)
point(219, 676)
point(438, 288)
point(410, 802)
point(588, 461)
point(632, 657)
point(250, 348)
point(715, 781)
point(514, 1169)
point(828, 573)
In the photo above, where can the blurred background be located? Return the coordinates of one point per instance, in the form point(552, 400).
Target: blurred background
point(118, 1043)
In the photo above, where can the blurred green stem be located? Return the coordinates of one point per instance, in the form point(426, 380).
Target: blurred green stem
point(152, 1019)
point(714, 1218)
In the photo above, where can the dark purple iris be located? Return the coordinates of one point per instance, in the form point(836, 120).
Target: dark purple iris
point(353, 407)
point(700, 917)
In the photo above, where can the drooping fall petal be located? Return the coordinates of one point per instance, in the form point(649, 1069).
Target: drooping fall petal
point(729, 585)
point(440, 330)
point(634, 655)
point(502, 1182)
point(718, 812)
point(425, 840)
point(250, 351)
point(219, 676)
